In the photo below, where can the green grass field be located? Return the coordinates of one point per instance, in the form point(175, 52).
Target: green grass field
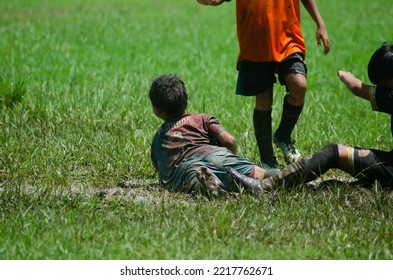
point(76, 181)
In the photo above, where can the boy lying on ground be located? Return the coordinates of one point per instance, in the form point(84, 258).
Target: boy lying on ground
point(192, 151)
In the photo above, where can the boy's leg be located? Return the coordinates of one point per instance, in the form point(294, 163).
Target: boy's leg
point(209, 183)
point(308, 169)
point(302, 171)
point(282, 136)
point(200, 179)
point(251, 185)
point(262, 120)
point(219, 160)
point(292, 73)
point(367, 165)
point(289, 117)
point(257, 79)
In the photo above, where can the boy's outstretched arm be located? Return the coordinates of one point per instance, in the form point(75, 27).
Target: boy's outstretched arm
point(225, 139)
point(356, 86)
point(211, 2)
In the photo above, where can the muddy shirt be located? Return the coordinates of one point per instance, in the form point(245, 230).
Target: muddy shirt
point(181, 138)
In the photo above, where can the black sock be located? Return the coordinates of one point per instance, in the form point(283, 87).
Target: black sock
point(290, 115)
point(263, 133)
point(320, 162)
point(308, 169)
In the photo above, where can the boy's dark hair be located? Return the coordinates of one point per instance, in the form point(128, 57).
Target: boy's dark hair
point(168, 93)
point(380, 67)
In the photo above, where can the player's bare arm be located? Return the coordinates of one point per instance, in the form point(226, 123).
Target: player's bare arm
point(356, 86)
point(321, 33)
point(211, 2)
point(225, 139)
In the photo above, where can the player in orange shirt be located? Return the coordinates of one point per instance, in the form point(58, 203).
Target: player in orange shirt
point(271, 42)
point(367, 165)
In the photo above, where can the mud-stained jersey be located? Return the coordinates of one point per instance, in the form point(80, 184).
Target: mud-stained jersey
point(181, 138)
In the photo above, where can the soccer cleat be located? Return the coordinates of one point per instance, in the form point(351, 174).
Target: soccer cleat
point(250, 184)
point(210, 183)
point(287, 146)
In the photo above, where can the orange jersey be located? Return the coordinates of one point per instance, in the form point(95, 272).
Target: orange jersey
point(268, 30)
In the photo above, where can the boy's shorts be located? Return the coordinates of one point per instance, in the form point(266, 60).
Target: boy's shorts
point(256, 77)
point(216, 162)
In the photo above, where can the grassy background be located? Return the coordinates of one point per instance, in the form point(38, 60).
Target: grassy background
point(76, 123)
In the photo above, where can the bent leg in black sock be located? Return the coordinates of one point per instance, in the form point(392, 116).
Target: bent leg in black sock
point(290, 115)
point(308, 169)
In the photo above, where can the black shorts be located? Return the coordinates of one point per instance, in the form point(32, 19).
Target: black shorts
point(374, 166)
point(256, 77)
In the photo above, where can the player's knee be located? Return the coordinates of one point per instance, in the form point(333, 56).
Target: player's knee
point(297, 84)
point(300, 87)
point(296, 99)
point(298, 90)
point(296, 94)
